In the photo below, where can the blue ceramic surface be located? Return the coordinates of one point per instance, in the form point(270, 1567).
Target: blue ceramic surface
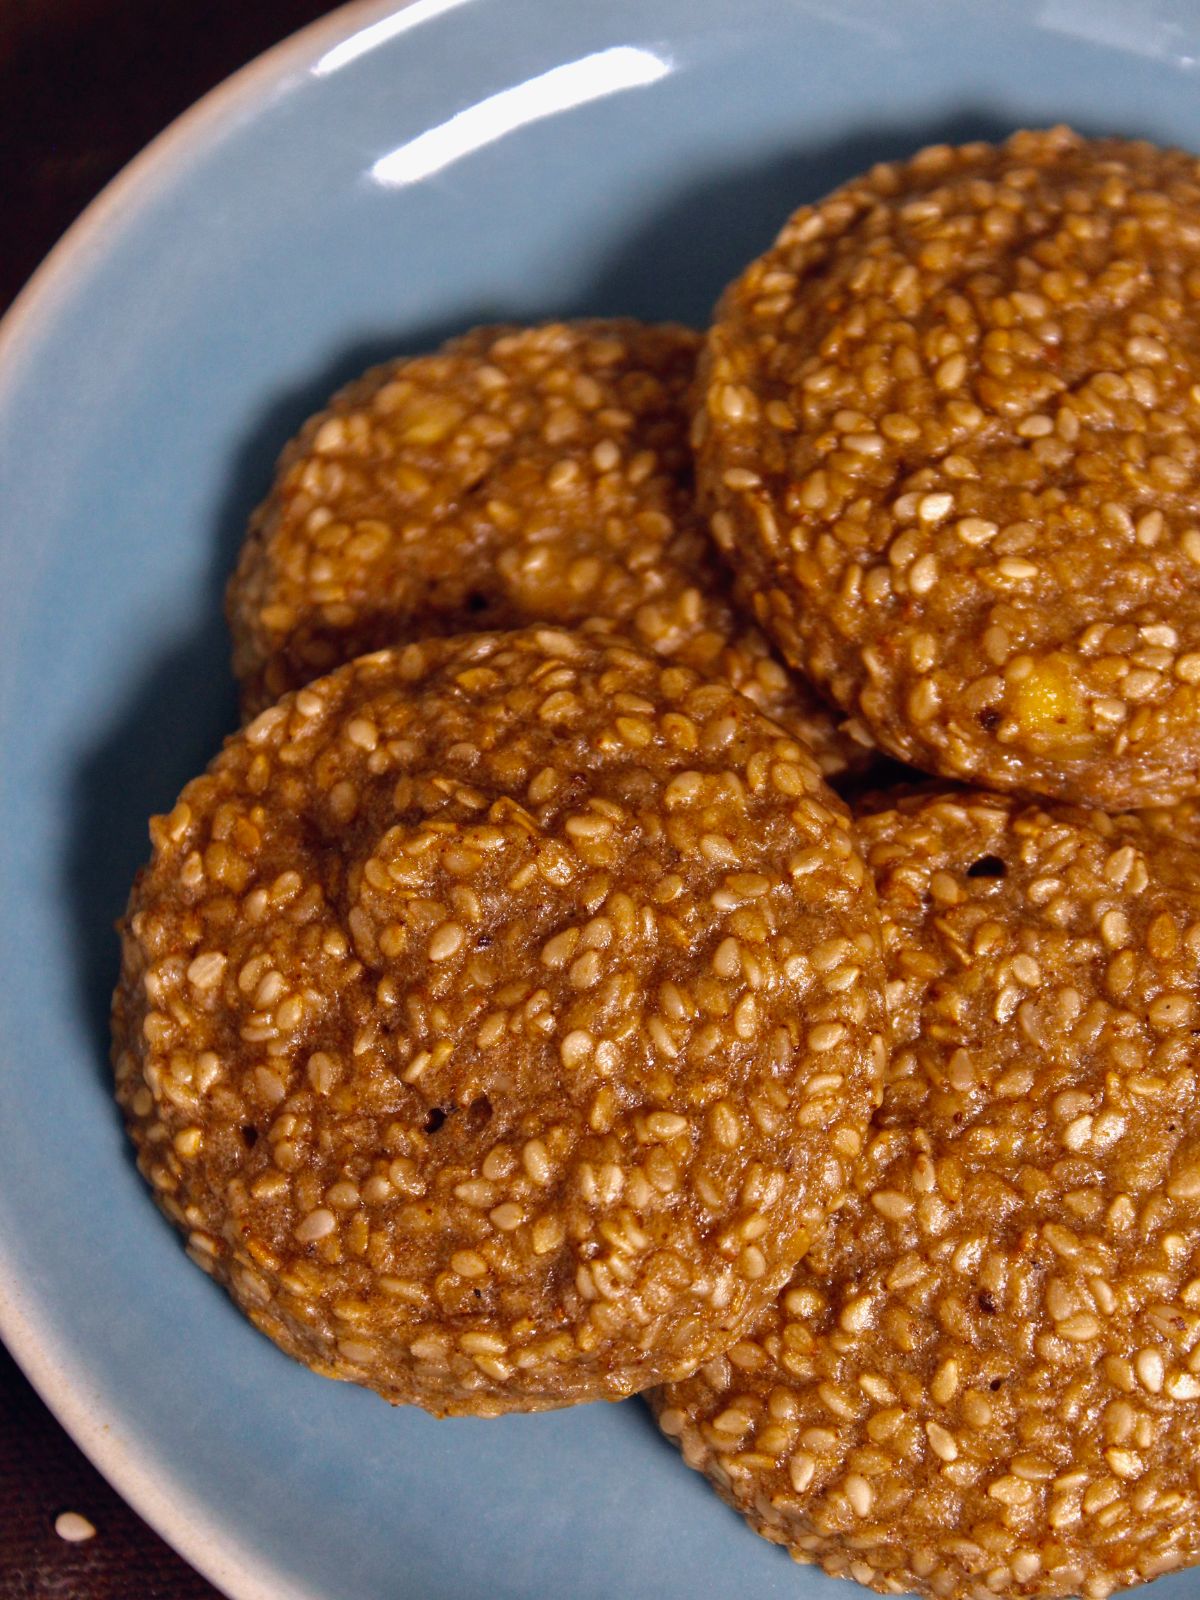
point(382, 180)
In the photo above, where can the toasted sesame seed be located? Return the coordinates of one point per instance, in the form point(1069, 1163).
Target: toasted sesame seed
point(316, 1225)
point(188, 1142)
point(923, 574)
point(468, 1264)
point(945, 1384)
point(1014, 567)
point(941, 1441)
point(826, 1036)
point(576, 1047)
point(74, 1527)
point(860, 1494)
point(205, 970)
point(446, 941)
point(856, 1314)
point(933, 507)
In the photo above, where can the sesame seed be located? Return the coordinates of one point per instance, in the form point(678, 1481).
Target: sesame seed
point(446, 941)
point(941, 1442)
point(74, 1527)
point(206, 969)
point(1014, 567)
point(923, 574)
point(860, 1494)
point(576, 1047)
point(665, 1125)
point(933, 507)
point(318, 1224)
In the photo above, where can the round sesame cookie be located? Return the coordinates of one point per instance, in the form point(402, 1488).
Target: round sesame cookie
point(985, 1377)
point(515, 476)
point(949, 429)
point(500, 1017)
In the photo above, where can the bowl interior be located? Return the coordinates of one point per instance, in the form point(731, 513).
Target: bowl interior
point(389, 178)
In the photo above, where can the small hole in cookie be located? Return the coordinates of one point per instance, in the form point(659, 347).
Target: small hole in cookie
point(987, 867)
point(435, 1119)
point(479, 1113)
point(476, 603)
point(250, 1135)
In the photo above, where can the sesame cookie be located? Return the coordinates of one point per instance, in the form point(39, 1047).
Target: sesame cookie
point(985, 1378)
point(500, 1018)
point(515, 476)
point(950, 431)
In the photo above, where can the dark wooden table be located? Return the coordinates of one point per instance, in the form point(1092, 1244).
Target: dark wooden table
point(84, 84)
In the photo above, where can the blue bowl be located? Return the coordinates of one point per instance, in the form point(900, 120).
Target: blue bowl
point(385, 178)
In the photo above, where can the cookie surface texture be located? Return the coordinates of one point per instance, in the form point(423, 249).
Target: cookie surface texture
point(985, 1378)
point(515, 476)
point(949, 435)
point(500, 1018)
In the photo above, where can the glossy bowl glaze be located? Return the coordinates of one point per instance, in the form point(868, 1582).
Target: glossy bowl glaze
point(383, 179)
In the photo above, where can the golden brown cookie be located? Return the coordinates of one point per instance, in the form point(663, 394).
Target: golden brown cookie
point(500, 1017)
point(985, 1379)
point(515, 476)
point(949, 434)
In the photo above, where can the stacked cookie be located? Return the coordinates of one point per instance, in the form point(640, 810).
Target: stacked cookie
point(513, 1015)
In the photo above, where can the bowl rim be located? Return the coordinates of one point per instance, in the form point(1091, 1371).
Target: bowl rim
point(147, 172)
point(30, 1334)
